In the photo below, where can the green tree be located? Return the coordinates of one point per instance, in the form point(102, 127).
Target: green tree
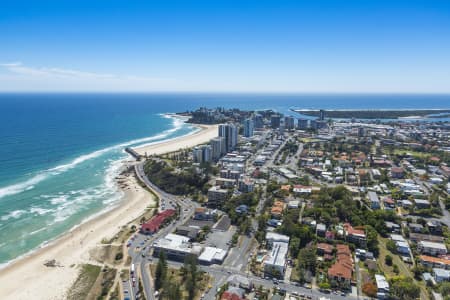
point(404, 289)
point(171, 290)
point(445, 288)
point(161, 270)
point(191, 266)
point(307, 259)
point(372, 240)
point(388, 260)
point(294, 246)
point(390, 245)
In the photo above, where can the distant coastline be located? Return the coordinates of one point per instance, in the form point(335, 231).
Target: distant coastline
point(377, 113)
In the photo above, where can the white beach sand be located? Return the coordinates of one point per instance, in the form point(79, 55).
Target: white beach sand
point(28, 278)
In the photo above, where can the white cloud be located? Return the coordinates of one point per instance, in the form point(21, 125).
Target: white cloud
point(61, 73)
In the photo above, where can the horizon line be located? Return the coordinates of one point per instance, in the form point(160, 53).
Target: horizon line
point(231, 92)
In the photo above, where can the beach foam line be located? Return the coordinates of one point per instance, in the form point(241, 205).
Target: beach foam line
point(43, 175)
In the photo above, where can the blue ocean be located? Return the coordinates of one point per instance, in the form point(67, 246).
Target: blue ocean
point(60, 153)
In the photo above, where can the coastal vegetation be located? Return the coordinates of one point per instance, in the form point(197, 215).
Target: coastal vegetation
point(186, 282)
point(176, 181)
point(84, 283)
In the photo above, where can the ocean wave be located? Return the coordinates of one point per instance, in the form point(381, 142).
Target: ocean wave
point(18, 188)
point(40, 211)
point(22, 186)
point(59, 199)
point(13, 215)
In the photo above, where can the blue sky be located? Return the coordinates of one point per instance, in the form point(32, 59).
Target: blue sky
point(351, 46)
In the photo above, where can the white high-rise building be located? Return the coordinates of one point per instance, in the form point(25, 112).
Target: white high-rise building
point(249, 126)
point(218, 148)
point(289, 122)
point(230, 133)
point(202, 154)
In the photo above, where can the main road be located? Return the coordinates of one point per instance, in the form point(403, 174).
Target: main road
point(141, 243)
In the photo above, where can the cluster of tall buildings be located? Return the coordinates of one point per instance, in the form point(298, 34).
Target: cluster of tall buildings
point(219, 146)
point(202, 154)
point(228, 133)
point(311, 124)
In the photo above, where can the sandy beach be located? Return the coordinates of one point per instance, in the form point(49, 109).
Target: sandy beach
point(28, 278)
point(206, 133)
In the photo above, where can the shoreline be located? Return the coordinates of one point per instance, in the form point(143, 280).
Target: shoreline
point(73, 247)
point(200, 136)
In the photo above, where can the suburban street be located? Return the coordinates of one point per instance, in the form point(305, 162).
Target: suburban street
point(235, 263)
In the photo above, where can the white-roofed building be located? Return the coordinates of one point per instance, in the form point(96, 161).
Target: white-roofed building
point(176, 247)
point(272, 237)
point(432, 248)
point(382, 287)
point(275, 262)
point(441, 275)
point(212, 255)
point(397, 238)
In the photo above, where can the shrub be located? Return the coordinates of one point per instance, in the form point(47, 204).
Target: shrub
point(370, 289)
point(388, 260)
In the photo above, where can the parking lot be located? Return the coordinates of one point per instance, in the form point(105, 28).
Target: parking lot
point(220, 239)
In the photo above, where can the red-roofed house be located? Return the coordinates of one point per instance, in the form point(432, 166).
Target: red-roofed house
point(155, 223)
point(231, 295)
point(352, 235)
point(341, 271)
point(324, 248)
point(397, 172)
point(445, 171)
point(389, 202)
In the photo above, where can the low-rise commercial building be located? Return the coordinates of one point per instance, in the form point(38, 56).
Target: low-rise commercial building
point(157, 221)
point(212, 255)
point(275, 263)
point(176, 247)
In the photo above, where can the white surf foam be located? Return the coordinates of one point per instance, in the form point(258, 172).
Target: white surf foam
point(13, 214)
point(20, 187)
point(40, 211)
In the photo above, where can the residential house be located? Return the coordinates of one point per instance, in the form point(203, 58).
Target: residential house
point(441, 275)
point(382, 287)
point(431, 248)
point(435, 262)
point(277, 209)
point(397, 172)
point(321, 229)
point(392, 227)
point(356, 236)
point(324, 248)
point(373, 200)
point(341, 271)
point(422, 203)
